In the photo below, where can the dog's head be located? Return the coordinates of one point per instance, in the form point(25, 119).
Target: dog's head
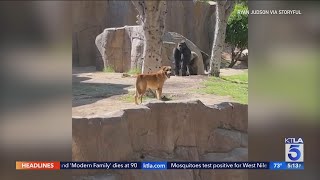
point(166, 70)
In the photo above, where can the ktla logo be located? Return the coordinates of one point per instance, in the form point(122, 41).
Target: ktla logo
point(294, 149)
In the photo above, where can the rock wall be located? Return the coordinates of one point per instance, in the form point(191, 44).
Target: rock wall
point(165, 131)
point(89, 19)
point(194, 21)
point(122, 49)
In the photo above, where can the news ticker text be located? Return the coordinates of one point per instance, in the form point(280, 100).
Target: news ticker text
point(57, 165)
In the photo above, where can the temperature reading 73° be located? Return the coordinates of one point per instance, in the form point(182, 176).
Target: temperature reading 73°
point(277, 165)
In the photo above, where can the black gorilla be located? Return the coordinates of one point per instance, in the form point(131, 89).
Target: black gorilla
point(182, 58)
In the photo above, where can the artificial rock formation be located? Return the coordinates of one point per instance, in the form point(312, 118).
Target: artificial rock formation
point(193, 20)
point(165, 131)
point(122, 48)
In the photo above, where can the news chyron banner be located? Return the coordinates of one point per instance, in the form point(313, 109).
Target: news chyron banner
point(294, 154)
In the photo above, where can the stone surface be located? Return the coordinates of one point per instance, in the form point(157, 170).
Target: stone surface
point(93, 143)
point(237, 154)
point(224, 174)
point(194, 21)
point(89, 19)
point(244, 140)
point(236, 118)
point(167, 56)
point(122, 48)
point(187, 153)
point(224, 140)
point(159, 175)
point(97, 177)
point(164, 131)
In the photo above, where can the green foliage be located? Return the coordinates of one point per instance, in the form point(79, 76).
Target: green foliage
point(134, 71)
point(241, 78)
point(235, 86)
point(108, 69)
point(237, 27)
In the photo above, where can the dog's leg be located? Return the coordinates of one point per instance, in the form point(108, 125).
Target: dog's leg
point(135, 99)
point(142, 93)
point(136, 96)
point(159, 92)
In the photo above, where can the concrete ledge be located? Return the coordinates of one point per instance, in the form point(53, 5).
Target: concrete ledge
point(172, 130)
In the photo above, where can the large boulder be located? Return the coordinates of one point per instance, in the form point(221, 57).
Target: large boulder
point(193, 20)
point(122, 48)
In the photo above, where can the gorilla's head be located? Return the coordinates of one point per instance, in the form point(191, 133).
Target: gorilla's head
point(182, 45)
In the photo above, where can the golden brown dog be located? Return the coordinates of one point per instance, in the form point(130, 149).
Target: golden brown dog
point(153, 81)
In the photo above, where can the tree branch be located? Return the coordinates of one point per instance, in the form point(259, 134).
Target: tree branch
point(238, 55)
point(233, 55)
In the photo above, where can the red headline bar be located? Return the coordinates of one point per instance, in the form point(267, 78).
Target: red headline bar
point(37, 165)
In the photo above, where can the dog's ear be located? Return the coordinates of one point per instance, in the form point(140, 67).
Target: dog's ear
point(163, 68)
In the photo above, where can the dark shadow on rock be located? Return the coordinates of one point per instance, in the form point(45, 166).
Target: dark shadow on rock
point(87, 93)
